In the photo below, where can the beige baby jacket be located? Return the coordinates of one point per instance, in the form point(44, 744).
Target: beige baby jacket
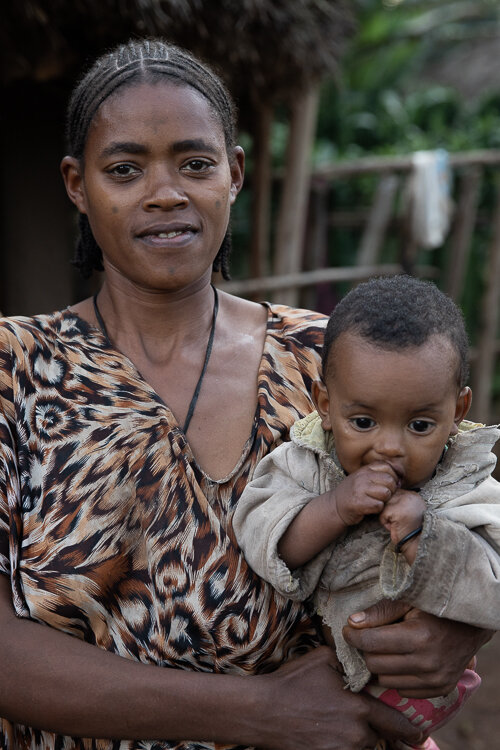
point(456, 573)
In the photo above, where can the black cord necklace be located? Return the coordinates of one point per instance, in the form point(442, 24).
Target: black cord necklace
point(194, 400)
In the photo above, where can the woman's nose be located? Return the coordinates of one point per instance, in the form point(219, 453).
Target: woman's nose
point(164, 192)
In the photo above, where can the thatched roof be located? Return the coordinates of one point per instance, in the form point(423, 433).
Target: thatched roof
point(266, 49)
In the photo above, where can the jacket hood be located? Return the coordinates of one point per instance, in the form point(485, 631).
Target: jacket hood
point(309, 433)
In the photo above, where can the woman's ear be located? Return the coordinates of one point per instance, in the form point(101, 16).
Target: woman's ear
point(71, 171)
point(322, 403)
point(237, 172)
point(464, 401)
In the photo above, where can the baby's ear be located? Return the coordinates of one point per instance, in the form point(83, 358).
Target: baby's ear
point(464, 401)
point(322, 403)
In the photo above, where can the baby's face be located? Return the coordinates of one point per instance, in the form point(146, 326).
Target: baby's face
point(394, 406)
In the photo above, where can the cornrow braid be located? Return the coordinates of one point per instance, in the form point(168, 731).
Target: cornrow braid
point(142, 61)
point(88, 254)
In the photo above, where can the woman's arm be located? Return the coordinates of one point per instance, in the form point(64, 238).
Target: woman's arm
point(56, 682)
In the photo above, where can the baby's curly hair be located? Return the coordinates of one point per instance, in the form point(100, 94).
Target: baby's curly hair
point(399, 312)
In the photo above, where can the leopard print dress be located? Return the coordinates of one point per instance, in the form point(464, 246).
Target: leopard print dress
point(111, 532)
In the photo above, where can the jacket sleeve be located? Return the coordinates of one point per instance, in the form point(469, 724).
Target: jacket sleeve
point(456, 573)
point(283, 483)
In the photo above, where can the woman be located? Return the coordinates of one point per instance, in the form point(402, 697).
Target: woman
point(115, 509)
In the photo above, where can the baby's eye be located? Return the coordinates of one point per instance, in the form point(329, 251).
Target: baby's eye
point(421, 426)
point(362, 423)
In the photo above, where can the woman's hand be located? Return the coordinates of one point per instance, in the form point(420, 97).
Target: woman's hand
point(308, 706)
point(55, 681)
point(418, 654)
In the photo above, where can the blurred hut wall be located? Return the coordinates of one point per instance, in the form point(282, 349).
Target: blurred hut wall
point(36, 227)
point(271, 52)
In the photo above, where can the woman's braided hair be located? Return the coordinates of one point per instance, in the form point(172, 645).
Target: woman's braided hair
point(139, 62)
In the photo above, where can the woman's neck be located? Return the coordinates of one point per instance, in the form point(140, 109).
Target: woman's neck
point(166, 338)
point(152, 325)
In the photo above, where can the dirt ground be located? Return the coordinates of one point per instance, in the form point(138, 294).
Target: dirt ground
point(477, 727)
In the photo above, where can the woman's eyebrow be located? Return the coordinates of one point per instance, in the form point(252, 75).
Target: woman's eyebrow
point(194, 144)
point(131, 147)
point(120, 147)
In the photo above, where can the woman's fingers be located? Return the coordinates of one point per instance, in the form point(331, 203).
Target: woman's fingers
point(310, 708)
point(421, 656)
point(384, 612)
point(390, 724)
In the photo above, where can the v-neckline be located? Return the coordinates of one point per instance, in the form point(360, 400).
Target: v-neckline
point(106, 344)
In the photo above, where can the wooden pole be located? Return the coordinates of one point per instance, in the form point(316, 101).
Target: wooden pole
point(294, 197)
point(463, 228)
point(261, 193)
point(378, 220)
point(316, 238)
point(319, 276)
point(380, 164)
point(408, 251)
point(490, 308)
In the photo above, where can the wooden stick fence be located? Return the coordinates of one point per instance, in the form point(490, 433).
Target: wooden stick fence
point(375, 222)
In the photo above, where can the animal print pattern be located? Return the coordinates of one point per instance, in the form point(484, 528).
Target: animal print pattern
point(111, 532)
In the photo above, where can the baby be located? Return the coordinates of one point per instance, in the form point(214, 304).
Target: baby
point(384, 490)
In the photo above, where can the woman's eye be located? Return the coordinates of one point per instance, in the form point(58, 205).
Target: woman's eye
point(363, 423)
point(421, 425)
point(123, 170)
point(198, 165)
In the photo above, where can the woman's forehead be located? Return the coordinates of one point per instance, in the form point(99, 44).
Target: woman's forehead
point(161, 105)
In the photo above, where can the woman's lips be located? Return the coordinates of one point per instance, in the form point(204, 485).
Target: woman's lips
point(166, 237)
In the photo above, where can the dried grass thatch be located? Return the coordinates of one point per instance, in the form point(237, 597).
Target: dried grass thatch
point(266, 49)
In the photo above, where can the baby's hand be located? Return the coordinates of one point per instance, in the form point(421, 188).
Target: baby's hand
point(365, 491)
point(402, 514)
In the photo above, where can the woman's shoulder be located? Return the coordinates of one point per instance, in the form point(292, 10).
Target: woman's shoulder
point(294, 341)
point(280, 318)
point(25, 335)
point(296, 331)
point(46, 325)
point(24, 342)
point(294, 321)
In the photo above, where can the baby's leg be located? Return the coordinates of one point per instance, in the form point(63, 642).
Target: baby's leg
point(427, 713)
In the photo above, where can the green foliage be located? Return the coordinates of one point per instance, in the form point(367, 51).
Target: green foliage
point(384, 105)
